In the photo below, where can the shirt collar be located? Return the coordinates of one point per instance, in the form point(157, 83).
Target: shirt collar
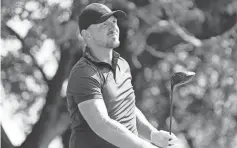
point(88, 54)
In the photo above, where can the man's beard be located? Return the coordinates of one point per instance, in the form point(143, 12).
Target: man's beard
point(112, 43)
point(109, 42)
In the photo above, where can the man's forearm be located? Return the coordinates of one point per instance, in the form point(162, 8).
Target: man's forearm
point(143, 126)
point(115, 133)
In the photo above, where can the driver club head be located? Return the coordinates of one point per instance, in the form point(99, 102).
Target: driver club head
point(180, 78)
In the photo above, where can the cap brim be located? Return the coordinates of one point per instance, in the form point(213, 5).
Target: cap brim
point(117, 14)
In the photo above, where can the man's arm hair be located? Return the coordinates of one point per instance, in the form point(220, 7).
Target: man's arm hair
point(95, 113)
point(144, 127)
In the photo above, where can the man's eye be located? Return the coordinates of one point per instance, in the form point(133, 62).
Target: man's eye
point(114, 21)
point(103, 26)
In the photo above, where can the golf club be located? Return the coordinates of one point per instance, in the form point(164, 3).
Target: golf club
point(178, 79)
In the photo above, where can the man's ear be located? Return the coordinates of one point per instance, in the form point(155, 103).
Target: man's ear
point(85, 34)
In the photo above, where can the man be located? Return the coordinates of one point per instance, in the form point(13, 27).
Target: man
point(100, 95)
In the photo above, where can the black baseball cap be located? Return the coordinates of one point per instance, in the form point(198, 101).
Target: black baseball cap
point(96, 13)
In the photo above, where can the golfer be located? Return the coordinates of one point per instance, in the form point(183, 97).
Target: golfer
point(100, 95)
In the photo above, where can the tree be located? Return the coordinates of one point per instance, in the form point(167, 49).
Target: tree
point(157, 38)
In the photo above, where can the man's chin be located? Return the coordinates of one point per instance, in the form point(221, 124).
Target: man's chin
point(113, 45)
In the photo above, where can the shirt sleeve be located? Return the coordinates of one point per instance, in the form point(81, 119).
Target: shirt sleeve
point(84, 84)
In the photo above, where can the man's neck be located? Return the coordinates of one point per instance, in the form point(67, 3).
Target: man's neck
point(102, 54)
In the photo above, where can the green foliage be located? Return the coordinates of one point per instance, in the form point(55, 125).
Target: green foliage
point(22, 81)
point(207, 105)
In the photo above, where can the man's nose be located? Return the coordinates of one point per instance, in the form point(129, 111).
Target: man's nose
point(113, 26)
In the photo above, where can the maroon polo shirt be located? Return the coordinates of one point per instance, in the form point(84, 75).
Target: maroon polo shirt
point(93, 79)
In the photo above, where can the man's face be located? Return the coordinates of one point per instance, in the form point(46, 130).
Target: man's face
point(105, 34)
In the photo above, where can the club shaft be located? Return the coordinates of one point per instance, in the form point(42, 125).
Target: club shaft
point(171, 110)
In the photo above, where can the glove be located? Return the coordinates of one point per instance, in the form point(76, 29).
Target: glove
point(173, 142)
point(160, 138)
point(163, 139)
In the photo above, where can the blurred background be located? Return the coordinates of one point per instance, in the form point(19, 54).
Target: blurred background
point(39, 46)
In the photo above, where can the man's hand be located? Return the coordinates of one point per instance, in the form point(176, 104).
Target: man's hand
point(163, 139)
